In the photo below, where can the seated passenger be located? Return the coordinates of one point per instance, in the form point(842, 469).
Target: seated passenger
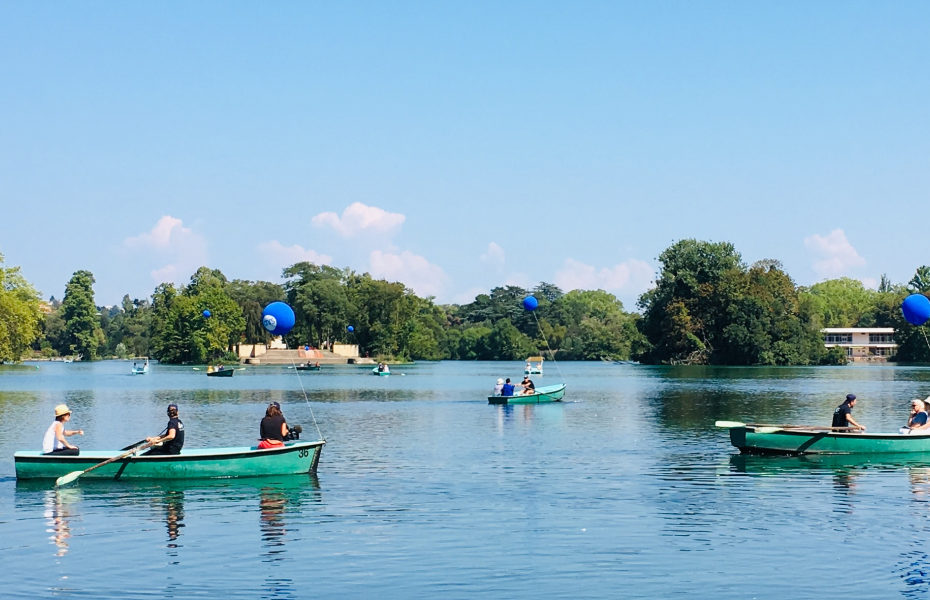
point(54, 441)
point(507, 388)
point(528, 386)
point(273, 428)
point(918, 416)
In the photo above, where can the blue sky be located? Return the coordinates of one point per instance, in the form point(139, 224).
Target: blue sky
point(460, 146)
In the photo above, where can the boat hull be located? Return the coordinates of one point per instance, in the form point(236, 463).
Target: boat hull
point(750, 440)
point(221, 373)
point(549, 393)
point(307, 367)
point(292, 458)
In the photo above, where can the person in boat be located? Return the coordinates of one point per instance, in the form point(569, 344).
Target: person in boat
point(918, 417)
point(55, 440)
point(842, 416)
point(380, 367)
point(172, 439)
point(498, 386)
point(507, 388)
point(273, 428)
point(528, 386)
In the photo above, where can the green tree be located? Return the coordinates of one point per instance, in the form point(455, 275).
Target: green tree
point(20, 316)
point(82, 333)
point(181, 332)
point(684, 315)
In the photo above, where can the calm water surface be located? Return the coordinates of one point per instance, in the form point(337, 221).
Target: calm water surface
point(424, 490)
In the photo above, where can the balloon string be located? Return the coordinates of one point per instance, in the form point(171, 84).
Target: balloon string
point(925, 336)
point(307, 400)
point(551, 353)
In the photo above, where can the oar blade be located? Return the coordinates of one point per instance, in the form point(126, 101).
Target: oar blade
point(729, 424)
point(66, 479)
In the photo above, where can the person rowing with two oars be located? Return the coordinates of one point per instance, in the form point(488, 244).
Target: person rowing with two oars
point(842, 416)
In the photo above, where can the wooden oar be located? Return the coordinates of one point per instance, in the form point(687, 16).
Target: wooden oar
point(767, 428)
point(66, 479)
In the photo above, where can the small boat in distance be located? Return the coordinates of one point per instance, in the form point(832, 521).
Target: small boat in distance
point(219, 371)
point(548, 393)
point(757, 438)
point(381, 370)
point(534, 366)
point(247, 461)
point(142, 369)
point(308, 367)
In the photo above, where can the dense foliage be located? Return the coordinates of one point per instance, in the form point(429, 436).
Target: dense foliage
point(20, 317)
point(707, 307)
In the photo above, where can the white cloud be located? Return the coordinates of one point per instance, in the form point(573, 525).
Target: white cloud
point(359, 218)
point(279, 255)
point(180, 249)
point(160, 236)
point(629, 277)
point(494, 256)
point(414, 271)
point(833, 255)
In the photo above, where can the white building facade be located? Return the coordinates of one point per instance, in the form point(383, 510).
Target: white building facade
point(862, 343)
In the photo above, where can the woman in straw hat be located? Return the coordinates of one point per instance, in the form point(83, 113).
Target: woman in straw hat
point(55, 441)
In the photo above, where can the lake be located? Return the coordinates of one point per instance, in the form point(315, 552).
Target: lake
point(626, 490)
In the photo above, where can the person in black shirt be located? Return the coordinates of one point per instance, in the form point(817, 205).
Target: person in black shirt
point(273, 428)
point(172, 439)
point(842, 416)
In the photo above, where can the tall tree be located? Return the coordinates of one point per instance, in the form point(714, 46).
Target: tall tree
point(20, 317)
point(684, 314)
point(82, 335)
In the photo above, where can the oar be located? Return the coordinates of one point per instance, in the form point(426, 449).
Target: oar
point(66, 479)
point(765, 428)
point(196, 368)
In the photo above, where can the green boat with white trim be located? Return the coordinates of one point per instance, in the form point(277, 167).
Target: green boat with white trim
point(243, 461)
point(547, 393)
point(756, 438)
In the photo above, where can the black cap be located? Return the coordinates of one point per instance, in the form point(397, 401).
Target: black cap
point(850, 397)
point(276, 405)
point(172, 406)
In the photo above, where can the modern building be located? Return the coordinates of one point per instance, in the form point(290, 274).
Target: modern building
point(862, 343)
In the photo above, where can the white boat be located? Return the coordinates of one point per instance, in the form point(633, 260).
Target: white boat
point(534, 366)
point(140, 369)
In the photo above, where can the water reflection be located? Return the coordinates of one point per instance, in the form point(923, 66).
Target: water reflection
point(173, 506)
point(58, 515)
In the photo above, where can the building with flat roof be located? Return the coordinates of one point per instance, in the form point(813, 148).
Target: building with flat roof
point(862, 343)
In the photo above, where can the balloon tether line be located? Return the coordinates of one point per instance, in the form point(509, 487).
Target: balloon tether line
point(307, 400)
point(548, 347)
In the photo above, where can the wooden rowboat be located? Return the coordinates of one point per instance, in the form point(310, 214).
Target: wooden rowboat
point(308, 367)
point(245, 461)
point(548, 393)
point(755, 438)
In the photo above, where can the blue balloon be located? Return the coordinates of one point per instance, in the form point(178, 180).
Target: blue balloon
point(350, 328)
point(530, 303)
point(207, 313)
point(306, 347)
point(916, 309)
point(278, 318)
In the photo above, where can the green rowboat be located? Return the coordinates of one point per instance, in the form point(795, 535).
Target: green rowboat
point(794, 439)
point(548, 393)
point(244, 461)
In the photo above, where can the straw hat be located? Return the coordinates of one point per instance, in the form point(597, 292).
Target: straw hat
point(500, 381)
point(62, 409)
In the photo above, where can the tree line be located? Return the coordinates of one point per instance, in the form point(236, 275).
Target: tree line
point(707, 307)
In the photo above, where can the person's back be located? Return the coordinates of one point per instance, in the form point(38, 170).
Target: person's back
point(507, 389)
point(840, 415)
